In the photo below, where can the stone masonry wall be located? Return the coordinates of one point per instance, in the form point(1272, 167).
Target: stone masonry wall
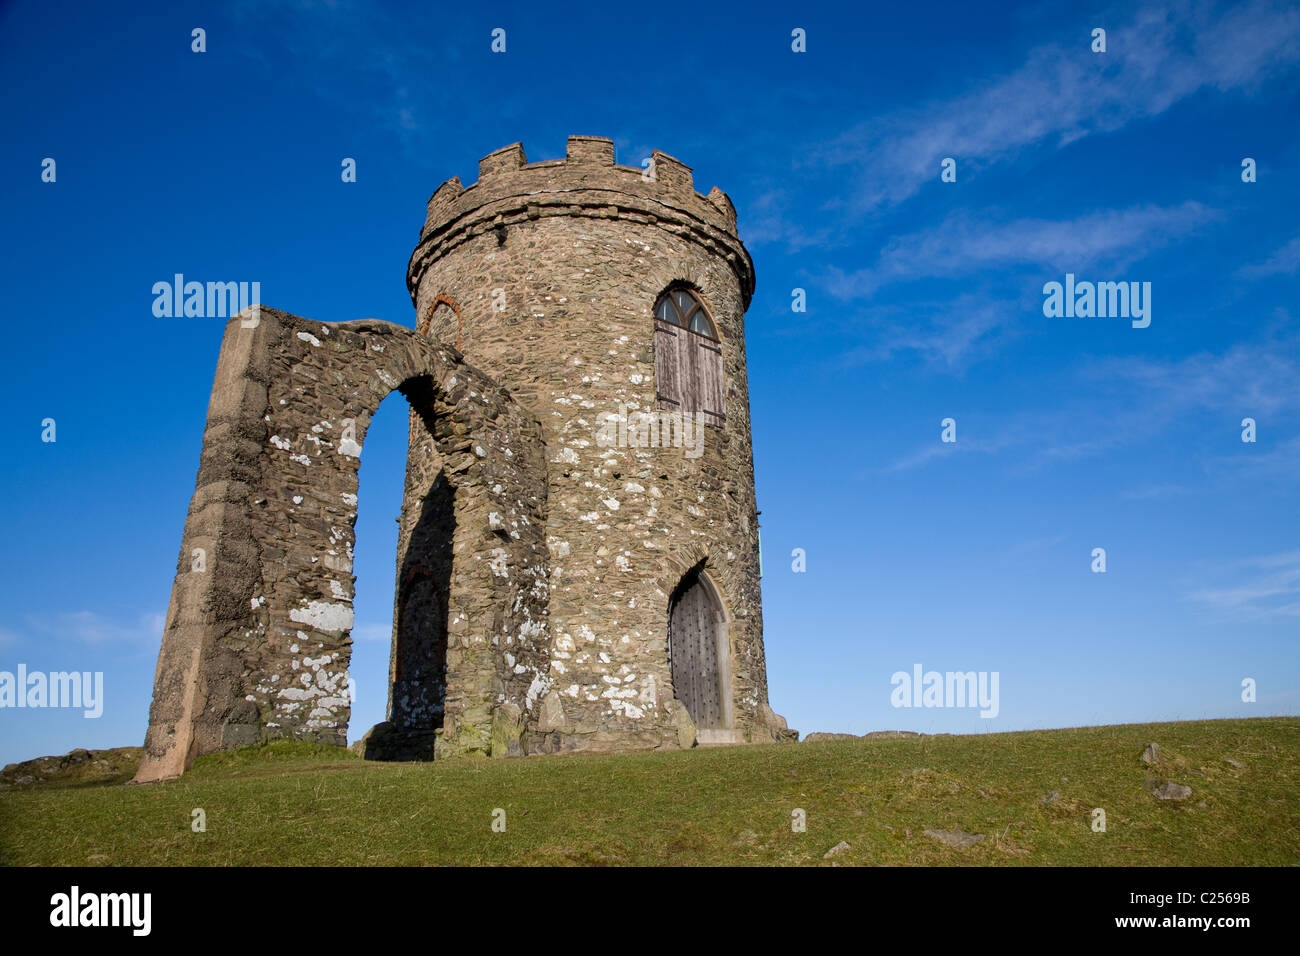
point(547, 275)
point(256, 643)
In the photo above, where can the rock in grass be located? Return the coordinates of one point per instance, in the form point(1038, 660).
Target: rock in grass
point(1152, 754)
point(1166, 790)
point(837, 848)
point(1234, 763)
point(79, 766)
point(957, 838)
point(1050, 797)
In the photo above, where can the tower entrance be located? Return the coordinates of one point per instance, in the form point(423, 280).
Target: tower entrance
point(697, 651)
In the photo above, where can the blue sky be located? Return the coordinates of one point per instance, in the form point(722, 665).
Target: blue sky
point(924, 301)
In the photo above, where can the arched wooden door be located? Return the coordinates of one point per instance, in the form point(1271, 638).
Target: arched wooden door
point(693, 629)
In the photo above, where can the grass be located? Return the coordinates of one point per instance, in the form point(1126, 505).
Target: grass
point(297, 804)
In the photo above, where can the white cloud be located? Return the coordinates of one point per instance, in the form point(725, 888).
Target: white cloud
point(1126, 401)
point(964, 243)
point(1064, 92)
point(1154, 492)
point(1281, 462)
point(1268, 585)
point(1286, 261)
point(88, 627)
point(321, 39)
point(1250, 378)
point(372, 632)
point(927, 453)
point(947, 335)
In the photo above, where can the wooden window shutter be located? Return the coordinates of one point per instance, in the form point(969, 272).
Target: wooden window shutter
point(707, 378)
point(668, 364)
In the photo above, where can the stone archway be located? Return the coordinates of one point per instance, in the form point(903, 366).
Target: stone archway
point(257, 638)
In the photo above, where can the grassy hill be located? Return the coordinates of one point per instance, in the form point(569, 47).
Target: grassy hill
point(1031, 796)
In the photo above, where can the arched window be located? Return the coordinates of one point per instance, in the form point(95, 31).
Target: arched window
point(681, 307)
point(688, 357)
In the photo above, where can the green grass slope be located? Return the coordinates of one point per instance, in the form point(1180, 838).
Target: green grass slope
point(298, 804)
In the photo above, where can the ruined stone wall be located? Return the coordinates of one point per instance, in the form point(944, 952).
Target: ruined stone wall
point(538, 547)
point(256, 642)
point(553, 270)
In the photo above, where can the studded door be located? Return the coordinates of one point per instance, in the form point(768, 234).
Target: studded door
point(693, 655)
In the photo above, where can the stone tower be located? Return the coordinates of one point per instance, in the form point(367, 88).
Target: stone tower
point(577, 562)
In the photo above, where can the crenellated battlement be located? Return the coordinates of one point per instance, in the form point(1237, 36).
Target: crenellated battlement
point(586, 182)
point(585, 158)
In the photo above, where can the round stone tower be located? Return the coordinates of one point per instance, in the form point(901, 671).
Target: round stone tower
point(609, 302)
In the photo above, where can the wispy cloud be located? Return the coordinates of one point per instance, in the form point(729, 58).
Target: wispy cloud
point(1286, 261)
point(1281, 462)
point(1249, 377)
point(1154, 492)
point(1129, 400)
point(954, 333)
point(925, 454)
point(1064, 92)
point(1033, 545)
point(376, 85)
point(372, 632)
point(965, 243)
point(88, 627)
point(947, 335)
point(1268, 585)
point(1126, 401)
point(774, 216)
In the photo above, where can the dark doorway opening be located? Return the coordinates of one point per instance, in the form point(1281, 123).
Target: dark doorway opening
point(417, 684)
